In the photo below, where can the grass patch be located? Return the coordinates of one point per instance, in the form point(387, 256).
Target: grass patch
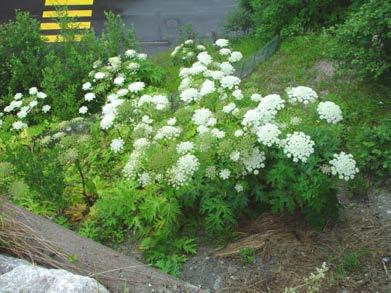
point(295, 63)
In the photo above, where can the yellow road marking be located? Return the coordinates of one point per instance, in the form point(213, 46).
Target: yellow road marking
point(57, 26)
point(70, 13)
point(58, 38)
point(68, 2)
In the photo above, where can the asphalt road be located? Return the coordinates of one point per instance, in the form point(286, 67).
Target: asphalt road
point(156, 21)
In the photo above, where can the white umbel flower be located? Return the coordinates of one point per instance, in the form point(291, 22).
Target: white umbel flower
point(224, 174)
point(238, 133)
point(189, 95)
point(268, 134)
point(23, 112)
point(83, 110)
point(272, 103)
point(238, 95)
point(171, 121)
point(130, 53)
point(253, 162)
point(18, 96)
point(222, 43)
point(183, 170)
point(239, 187)
point(99, 75)
point(117, 145)
point(33, 91)
point(33, 104)
point(136, 87)
point(207, 87)
point(217, 133)
point(235, 156)
point(230, 81)
point(19, 125)
point(115, 61)
point(235, 57)
point(229, 108)
point(330, 112)
point(344, 166)
point(184, 147)
point(119, 80)
point(46, 108)
point(202, 116)
point(87, 86)
point(204, 58)
point(167, 132)
point(224, 51)
point(256, 97)
point(89, 97)
point(41, 95)
point(298, 146)
point(301, 94)
point(226, 69)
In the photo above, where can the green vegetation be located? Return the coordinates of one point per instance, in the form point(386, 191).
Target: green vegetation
point(247, 255)
point(360, 28)
point(116, 145)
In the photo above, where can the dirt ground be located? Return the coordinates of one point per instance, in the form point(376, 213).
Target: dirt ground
point(353, 248)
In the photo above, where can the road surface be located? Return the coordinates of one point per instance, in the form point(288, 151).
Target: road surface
point(156, 21)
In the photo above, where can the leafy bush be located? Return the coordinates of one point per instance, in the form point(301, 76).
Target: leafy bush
point(21, 54)
point(240, 20)
point(26, 61)
point(374, 150)
point(364, 40)
point(222, 149)
point(270, 17)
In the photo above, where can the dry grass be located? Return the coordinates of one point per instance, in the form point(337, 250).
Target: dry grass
point(18, 239)
point(359, 236)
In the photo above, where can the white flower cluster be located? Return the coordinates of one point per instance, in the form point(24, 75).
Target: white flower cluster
point(187, 51)
point(109, 112)
point(253, 162)
point(185, 147)
point(216, 120)
point(203, 118)
point(117, 145)
point(159, 101)
point(183, 170)
point(25, 106)
point(167, 132)
point(115, 74)
point(344, 166)
point(268, 134)
point(298, 146)
point(330, 112)
point(301, 94)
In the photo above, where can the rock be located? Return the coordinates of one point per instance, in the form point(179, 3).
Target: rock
point(217, 283)
point(24, 277)
point(8, 263)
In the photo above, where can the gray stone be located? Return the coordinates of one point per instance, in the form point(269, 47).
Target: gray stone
point(8, 263)
point(23, 277)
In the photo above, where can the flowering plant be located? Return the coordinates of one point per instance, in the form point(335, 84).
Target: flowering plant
point(24, 110)
point(222, 140)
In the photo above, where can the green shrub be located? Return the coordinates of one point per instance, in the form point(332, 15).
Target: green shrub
point(21, 54)
point(59, 69)
point(270, 17)
point(364, 40)
point(374, 150)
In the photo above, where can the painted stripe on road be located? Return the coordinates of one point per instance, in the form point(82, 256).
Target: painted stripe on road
point(69, 13)
point(73, 25)
point(47, 28)
point(68, 2)
point(57, 38)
